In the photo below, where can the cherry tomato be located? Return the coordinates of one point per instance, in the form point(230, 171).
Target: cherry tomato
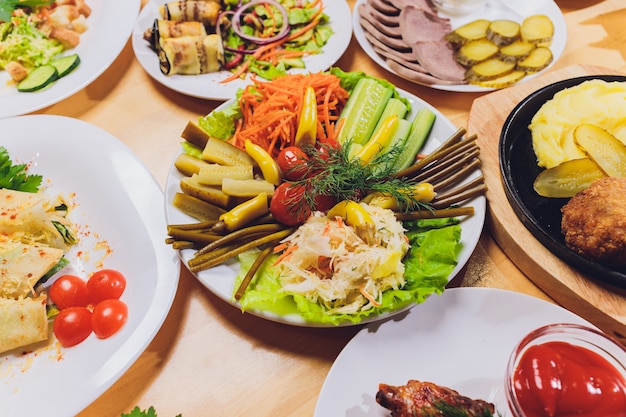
point(68, 291)
point(105, 284)
point(324, 202)
point(327, 147)
point(72, 325)
point(108, 317)
point(287, 205)
point(292, 161)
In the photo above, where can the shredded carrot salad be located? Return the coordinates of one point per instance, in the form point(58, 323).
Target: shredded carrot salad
point(271, 110)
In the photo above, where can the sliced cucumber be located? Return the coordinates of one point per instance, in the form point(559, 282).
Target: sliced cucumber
point(362, 111)
point(38, 78)
point(66, 64)
point(420, 129)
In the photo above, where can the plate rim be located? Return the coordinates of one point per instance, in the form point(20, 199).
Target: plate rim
point(149, 63)
point(593, 269)
point(367, 48)
point(167, 268)
point(479, 202)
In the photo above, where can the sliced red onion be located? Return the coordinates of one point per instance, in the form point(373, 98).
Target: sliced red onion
point(236, 22)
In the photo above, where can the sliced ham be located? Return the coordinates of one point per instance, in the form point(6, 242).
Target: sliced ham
point(438, 58)
point(421, 25)
point(392, 42)
point(384, 6)
point(367, 10)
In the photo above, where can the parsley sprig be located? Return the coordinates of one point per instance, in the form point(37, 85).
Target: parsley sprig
point(15, 176)
point(8, 6)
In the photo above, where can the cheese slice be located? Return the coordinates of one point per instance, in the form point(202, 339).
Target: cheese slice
point(22, 322)
point(21, 266)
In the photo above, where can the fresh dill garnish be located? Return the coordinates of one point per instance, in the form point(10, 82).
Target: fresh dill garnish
point(8, 6)
point(15, 176)
point(332, 172)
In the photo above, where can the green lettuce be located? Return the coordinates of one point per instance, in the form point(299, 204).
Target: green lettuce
point(22, 42)
point(435, 244)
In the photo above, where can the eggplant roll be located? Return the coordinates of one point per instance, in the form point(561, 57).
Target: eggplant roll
point(192, 10)
point(164, 29)
point(191, 55)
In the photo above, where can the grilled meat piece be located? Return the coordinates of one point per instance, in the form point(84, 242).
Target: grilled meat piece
point(425, 399)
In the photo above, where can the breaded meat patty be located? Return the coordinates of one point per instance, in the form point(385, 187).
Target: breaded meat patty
point(594, 222)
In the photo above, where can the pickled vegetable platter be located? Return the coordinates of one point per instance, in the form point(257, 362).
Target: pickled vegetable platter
point(226, 276)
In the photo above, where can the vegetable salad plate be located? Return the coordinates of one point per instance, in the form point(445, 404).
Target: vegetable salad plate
point(210, 85)
point(461, 339)
point(109, 26)
point(542, 215)
point(120, 223)
point(221, 279)
point(494, 9)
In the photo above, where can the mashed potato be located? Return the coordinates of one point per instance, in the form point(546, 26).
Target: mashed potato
point(595, 101)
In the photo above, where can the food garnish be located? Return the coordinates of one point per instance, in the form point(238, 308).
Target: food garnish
point(337, 188)
point(427, 399)
point(262, 37)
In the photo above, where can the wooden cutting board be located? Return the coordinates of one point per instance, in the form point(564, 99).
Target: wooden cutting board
point(602, 304)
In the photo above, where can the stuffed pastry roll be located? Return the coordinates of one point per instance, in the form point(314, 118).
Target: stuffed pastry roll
point(164, 29)
point(192, 10)
point(22, 322)
point(191, 55)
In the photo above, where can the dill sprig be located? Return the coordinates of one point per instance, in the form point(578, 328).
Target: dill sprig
point(332, 172)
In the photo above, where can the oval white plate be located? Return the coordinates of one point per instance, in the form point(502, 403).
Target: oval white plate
point(119, 202)
point(494, 9)
point(461, 339)
point(209, 86)
point(110, 25)
point(220, 280)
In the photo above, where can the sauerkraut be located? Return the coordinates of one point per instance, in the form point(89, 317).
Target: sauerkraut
point(328, 263)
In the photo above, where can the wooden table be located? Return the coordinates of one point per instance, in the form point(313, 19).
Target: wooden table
point(209, 358)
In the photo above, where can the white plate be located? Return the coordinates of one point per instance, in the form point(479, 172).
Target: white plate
point(110, 25)
point(209, 86)
point(220, 280)
point(119, 202)
point(461, 339)
point(494, 9)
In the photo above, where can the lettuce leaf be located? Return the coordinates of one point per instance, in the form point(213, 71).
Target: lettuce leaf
point(435, 244)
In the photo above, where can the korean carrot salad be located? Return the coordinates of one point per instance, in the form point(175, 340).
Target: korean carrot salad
point(315, 186)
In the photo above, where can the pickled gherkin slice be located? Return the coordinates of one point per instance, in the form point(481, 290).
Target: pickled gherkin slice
point(567, 178)
point(608, 152)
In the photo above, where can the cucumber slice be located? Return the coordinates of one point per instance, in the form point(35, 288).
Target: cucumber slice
point(420, 129)
point(66, 64)
point(38, 78)
point(362, 111)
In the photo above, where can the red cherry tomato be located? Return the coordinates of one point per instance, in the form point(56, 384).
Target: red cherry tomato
point(324, 202)
point(292, 161)
point(68, 291)
point(288, 205)
point(327, 147)
point(108, 317)
point(105, 284)
point(72, 325)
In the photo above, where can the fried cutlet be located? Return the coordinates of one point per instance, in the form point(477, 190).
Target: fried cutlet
point(594, 222)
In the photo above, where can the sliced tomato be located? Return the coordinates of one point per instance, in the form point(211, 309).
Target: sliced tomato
point(108, 317)
point(68, 291)
point(72, 325)
point(293, 163)
point(105, 284)
point(288, 205)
